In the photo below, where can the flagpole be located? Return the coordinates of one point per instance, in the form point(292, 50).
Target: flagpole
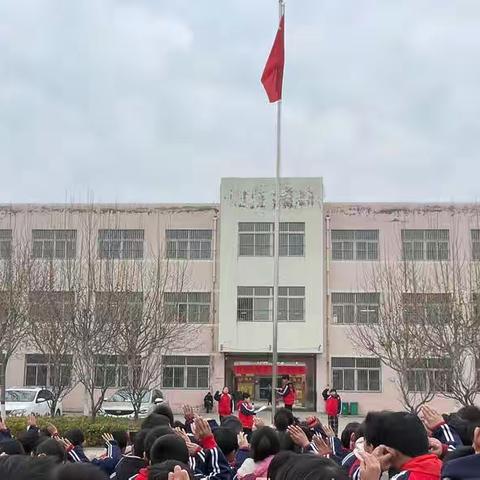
point(276, 253)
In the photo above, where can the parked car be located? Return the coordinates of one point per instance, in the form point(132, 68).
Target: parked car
point(120, 404)
point(23, 401)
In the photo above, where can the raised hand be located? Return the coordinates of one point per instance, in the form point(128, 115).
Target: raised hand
point(298, 436)
point(384, 457)
point(258, 422)
point(430, 417)
point(32, 420)
point(182, 434)
point(107, 437)
point(192, 448)
point(65, 442)
point(188, 412)
point(178, 474)
point(370, 468)
point(202, 428)
point(242, 441)
point(52, 430)
point(322, 446)
point(328, 431)
point(435, 446)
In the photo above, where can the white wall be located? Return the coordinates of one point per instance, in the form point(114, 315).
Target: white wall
point(251, 200)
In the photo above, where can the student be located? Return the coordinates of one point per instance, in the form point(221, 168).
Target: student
point(74, 449)
point(208, 402)
point(246, 414)
point(287, 392)
point(225, 403)
point(130, 465)
point(333, 407)
point(399, 441)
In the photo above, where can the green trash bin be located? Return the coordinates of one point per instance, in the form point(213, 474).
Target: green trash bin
point(345, 408)
point(354, 408)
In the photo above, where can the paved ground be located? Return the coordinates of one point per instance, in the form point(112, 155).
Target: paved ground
point(266, 415)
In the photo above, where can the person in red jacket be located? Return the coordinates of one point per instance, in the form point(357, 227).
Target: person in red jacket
point(225, 403)
point(246, 414)
point(287, 392)
point(333, 407)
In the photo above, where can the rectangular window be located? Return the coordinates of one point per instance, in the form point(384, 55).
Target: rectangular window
point(292, 239)
point(121, 244)
point(354, 244)
point(426, 308)
point(254, 304)
point(419, 245)
point(5, 244)
point(54, 244)
point(291, 304)
point(356, 374)
point(46, 371)
point(429, 374)
point(360, 308)
point(110, 371)
point(475, 244)
point(255, 239)
point(45, 305)
point(189, 244)
point(189, 372)
point(126, 306)
point(187, 307)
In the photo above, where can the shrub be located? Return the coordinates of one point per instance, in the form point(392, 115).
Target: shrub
point(92, 430)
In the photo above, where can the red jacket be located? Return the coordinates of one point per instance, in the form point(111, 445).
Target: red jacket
point(225, 404)
point(333, 406)
point(288, 394)
point(246, 414)
point(424, 467)
point(142, 474)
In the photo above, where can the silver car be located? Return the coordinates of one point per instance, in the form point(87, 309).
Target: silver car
point(120, 405)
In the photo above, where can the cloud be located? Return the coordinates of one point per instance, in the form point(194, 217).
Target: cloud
point(155, 101)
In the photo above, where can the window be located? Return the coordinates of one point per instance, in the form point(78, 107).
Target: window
point(45, 305)
point(425, 244)
point(255, 239)
point(429, 375)
point(58, 244)
point(292, 239)
point(356, 374)
point(254, 304)
point(121, 244)
point(429, 308)
point(475, 244)
point(354, 244)
point(291, 301)
point(361, 308)
point(45, 371)
point(111, 371)
point(189, 244)
point(121, 305)
point(187, 307)
point(186, 372)
point(5, 244)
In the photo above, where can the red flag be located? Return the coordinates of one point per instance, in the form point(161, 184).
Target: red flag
point(272, 77)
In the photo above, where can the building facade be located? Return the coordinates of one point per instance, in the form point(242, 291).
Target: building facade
point(328, 252)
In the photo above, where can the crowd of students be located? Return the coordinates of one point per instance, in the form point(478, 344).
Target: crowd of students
point(400, 445)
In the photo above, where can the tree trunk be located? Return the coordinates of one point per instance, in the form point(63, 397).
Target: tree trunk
point(3, 368)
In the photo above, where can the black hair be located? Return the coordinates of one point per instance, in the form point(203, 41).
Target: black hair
point(36, 469)
point(226, 439)
point(155, 420)
point(165, 409)
point(29, 440)
point(160, 471)
point(264, 443)
point(139, 443)
point(470, 413)
point(14, 466)
point(462, 427)
point(283, 419)
point(178, 424)
point(311, 467)
point(399, 430)
point(232, 423)
point(169, 447)
point(279, 461)
point(11, 447)
point(152, 435)
point(79, 471)
point(346, 436)
point(245, 395)
point(49, 447)
point(286, 443)
point(121, 437)
point(285, 377)
point(75, 436)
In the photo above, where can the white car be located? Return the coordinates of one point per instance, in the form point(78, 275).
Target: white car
point(23, 401)
point(120, 405)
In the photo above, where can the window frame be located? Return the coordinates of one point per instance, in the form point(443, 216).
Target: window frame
point(355, 238)
point(129, 247)
point(359, 301)
point(192, 236)
point(43, 360)
point(185, 362)
point(428, 371)
point(356, 367)
point(6, 243)
point(417, 244)
point(188, 305)
point(53, 236)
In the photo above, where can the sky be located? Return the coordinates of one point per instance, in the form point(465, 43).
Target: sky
point(155, 100)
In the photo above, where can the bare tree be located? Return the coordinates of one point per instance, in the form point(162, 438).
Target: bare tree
point(15, 270)
point(396, 338)
point(52, 309)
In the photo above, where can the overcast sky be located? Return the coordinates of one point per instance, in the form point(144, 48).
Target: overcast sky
point(155, 100)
